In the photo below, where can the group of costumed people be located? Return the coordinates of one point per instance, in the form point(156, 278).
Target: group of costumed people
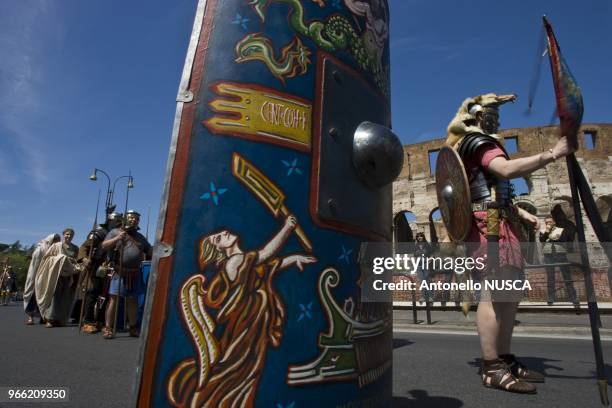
point(8, 283)
point(473, 135)
point(105, 267)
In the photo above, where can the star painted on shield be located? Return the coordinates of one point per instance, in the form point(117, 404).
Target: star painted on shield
point(213, 194)
point(241, 21)
point(346, 254)
point(292, 167)
point(305, 311)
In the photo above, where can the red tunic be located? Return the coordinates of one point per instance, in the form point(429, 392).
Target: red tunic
point(509, 244)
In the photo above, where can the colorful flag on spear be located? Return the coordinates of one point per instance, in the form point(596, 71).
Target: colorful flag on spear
point(567, 91)
point(570, 110)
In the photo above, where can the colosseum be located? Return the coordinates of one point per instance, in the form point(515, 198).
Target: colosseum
point(415, 205)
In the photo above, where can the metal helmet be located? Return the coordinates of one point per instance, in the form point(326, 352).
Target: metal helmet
point(114, 220)
point(133, 212)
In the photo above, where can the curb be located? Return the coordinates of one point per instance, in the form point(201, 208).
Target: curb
point(604, 308)
point(575, 332)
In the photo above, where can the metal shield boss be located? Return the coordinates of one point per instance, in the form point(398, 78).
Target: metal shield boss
point(280, 167)
point(453, 191)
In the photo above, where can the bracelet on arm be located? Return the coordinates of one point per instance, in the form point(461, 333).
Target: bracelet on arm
point(552, 154)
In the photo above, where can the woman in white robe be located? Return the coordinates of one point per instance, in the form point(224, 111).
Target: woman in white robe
point(29, 298)
point(55, 284)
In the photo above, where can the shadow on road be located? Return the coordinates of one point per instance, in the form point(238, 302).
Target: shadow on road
point(397, 343)
point(421, 399)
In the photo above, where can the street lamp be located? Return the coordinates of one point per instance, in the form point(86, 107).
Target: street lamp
point(110, 192)
point(130, 183)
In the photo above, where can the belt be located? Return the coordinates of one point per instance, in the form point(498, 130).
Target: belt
point(506, 210)
point(484, 205)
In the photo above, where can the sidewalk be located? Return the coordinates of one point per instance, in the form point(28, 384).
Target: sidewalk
point(604, 307)
point(533, 320)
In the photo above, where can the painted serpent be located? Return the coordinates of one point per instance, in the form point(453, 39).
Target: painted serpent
point(335, 34)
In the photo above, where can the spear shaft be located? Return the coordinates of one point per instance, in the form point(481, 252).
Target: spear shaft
point(88, 270)
point(121, 285)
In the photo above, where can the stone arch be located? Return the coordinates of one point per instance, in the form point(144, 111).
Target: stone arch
point(528, 206)
point(401, 226)
point(566, 205)
point(437, 231)
point(604, 207)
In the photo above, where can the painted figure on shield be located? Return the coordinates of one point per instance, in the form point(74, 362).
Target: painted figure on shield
point(473, 134)
point(250, 315)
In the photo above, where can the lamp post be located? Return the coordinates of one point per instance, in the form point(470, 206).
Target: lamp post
point(130, 184)
point(110, 192)
point(94, 177)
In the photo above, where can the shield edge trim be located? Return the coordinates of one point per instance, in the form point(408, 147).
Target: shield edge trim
point(176, 171)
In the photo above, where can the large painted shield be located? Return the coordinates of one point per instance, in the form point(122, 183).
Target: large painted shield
point(280, 166)
point(453, 191)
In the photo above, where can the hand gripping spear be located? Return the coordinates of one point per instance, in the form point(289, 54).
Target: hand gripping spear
point(570, 110)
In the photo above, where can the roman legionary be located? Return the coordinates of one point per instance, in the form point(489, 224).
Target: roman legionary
point(92, 257)
point(127, 248)
point(472, 133)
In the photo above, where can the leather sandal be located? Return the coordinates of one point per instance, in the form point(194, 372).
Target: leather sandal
point(520, 371)
point(90, 328)
point(496, 374)
point(107, 333)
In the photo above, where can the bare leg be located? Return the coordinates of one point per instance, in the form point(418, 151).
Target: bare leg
point(110, 311)
point(507, 314)
point(132, 311)
point(488, 325)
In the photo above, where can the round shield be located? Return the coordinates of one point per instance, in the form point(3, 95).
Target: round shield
point(453, 192)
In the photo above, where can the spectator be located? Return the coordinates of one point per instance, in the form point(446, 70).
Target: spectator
point(558, 237)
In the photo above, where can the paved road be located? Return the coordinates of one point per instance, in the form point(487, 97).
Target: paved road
point(98, 372)
point(430, 369)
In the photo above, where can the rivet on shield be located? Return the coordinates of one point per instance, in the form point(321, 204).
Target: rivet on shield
point(333, 132)
point(447, 193)
point(332, 205)
point(337, 77)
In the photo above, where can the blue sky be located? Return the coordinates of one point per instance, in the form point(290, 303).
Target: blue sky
point(93, 84)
